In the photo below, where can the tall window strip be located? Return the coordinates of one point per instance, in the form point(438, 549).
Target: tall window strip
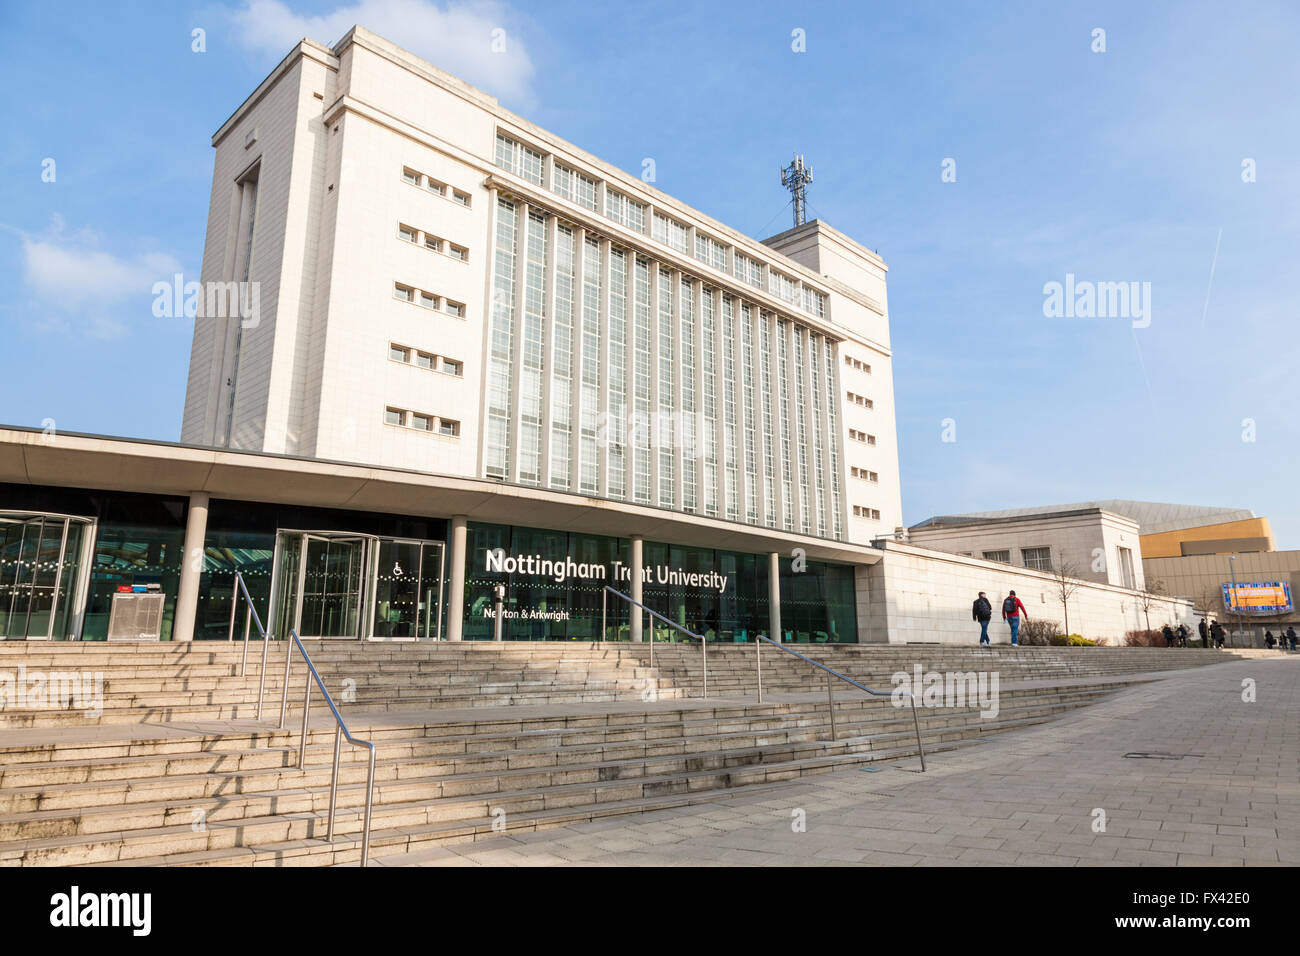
point(589, 413)
point(671, 233)
point(833, 430)
point(730, 435)
point(533, 366)
point(562, 403)
point(749, 270)
point(519, 159)
point(783, 422)
point(496, 452)
point(574, 186)
point(664, 433)
point(749, 410)
point(689, 424)
point(617, 421)
point(801, 391)
point(709, 399)
point(641, 383)
point(769, 431)
point(624, 210)
point(819, 451)
point(710, 251)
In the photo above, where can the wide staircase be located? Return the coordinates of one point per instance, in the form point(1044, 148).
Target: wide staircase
point(172, 767)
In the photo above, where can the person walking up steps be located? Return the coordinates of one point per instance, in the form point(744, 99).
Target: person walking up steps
point(1012, 608)
point(982, 611)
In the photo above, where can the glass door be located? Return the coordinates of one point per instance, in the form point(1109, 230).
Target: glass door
point(319, 584)
point(40, 576)
point(408, 590)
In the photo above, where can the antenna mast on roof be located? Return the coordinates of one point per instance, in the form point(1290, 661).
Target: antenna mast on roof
point(796, 178)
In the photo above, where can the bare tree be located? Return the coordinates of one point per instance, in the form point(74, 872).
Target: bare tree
point(1148, 597)
point(1207, 602)
point(1066, 581)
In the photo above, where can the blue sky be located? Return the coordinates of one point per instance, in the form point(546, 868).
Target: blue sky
point(1117, 166)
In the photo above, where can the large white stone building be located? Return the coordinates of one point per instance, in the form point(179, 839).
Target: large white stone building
point(447, 287)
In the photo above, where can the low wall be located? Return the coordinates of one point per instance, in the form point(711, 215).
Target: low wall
point(918, 594)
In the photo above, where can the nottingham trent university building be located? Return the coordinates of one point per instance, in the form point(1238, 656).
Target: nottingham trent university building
point(479, 356)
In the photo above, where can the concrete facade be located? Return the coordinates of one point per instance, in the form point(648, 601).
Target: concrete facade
point(1102, 546)
point(918, 595)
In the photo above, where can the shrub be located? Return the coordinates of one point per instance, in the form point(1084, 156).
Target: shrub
point(1078, 640)
point(1143, 638)
point(1038, 632)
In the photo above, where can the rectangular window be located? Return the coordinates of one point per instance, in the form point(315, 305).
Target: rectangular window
point(407, 233)
point(424, 360)
point(1039, 559)
point(710, 251)
point(749, 270)
point(1126, 568)
point(625, 211)
point(432, 242)
point(449, 428)
point(411, 176)
point(422, 423)
point(398, 354)
point(394, 416)
point(1002, 557)
point(436, 187)
point(457, 252)
point(428, 300)
point(460, 197)
point(671, 232)
point(814, 302)
point(403, 292)
point(452, 367)
point(455, 308)
point(519, 159)
point(783, 287)
point(575, 187)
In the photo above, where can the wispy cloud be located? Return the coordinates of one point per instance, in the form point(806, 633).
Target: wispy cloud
point(477, 41)
point(80, 286)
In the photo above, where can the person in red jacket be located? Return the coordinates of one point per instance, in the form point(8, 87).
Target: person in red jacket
point(1012, 608)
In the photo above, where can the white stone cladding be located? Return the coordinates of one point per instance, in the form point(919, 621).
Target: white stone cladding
point(921, 595)
point(330, 133)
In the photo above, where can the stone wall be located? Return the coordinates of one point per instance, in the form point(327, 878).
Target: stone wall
point(921, 595)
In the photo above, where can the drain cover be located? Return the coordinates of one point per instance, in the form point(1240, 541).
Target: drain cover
point(1155, 755)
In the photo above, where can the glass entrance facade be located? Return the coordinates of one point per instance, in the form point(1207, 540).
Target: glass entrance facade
point(555, 590)
point(42, 565)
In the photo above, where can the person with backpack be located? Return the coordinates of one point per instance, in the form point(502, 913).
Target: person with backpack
point(1012, 608)
point(1182, 635)
point(1167, 633)
point(982, 611)
point(1268, 640)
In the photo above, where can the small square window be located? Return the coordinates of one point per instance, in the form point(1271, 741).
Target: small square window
point(452, 367)
point(460, 197)
point(457, 252)
point(403, 292)
point(448, 427)
point(424, 360)
point(456, 308)
point(394, 416)
point(407, 233)
point(436, 187)
point(411, 176)
point(428, 300)
point(432, 242)
point(398, 354)
point(422, 423)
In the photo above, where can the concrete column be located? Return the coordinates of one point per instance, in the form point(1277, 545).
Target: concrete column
point(187, 598)
point(456, 588)
point(774, 595)
point(636, 613)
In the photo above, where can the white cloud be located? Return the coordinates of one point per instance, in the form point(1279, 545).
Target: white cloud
point(457, 37)
point(79, 285)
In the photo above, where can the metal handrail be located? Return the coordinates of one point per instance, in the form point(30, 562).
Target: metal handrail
point(250, 615)
point(830, 697)
point(704, 644)
point(340, 729)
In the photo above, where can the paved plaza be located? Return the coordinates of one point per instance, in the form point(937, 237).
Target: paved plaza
point(1187, 769)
